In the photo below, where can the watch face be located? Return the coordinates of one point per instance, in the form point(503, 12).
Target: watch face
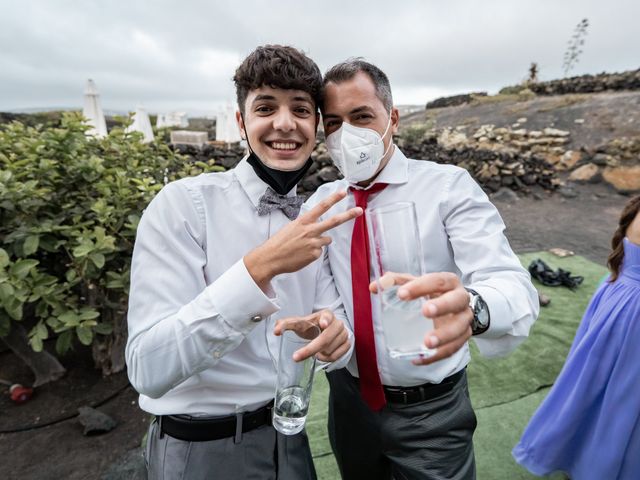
point(482, 314)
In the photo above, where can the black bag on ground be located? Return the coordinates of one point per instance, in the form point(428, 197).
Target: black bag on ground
point(546, 276)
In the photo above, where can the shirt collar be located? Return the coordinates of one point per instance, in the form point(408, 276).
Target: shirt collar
point(253, 185)
point(396, 171)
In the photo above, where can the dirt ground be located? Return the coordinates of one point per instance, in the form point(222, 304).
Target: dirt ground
point(43, 439)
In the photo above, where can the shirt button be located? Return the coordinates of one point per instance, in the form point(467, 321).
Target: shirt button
point(216, 354)
point(256, 319)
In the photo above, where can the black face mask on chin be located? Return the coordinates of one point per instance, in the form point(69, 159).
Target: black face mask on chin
point(282, 181)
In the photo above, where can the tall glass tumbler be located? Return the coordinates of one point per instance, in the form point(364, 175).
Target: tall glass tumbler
point(295, 379)
point(396, 248)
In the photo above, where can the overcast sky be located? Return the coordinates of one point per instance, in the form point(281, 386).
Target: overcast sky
point(172, 55)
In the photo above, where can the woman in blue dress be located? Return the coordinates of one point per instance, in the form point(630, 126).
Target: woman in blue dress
point(589, 425)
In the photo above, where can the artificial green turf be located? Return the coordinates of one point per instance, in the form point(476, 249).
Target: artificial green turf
point(505, 391)
point(499, 429)
point(538, 360)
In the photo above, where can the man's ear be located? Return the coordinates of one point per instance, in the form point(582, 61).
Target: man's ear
point(317, 120)
point(240, 122)
point(395, 120)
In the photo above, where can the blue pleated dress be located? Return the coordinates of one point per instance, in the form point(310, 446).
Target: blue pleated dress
point(589, 424)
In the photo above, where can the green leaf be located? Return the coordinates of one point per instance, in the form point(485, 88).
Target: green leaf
point(63, 343)
point(104, 329)
point(85, 335)
point(70, 319)
point(13, 307)
point(53, 322)
point(4, 258)
point(83, 250)
point(21, 268)
point(6, 292)
point(31, 244)
point(99, 233)
point(115, 284)
point(41, 331)
point(89, 314)
point(36, 344)
point(97, 259)
point(49, 243)
point(71, 275)
point(42, 309)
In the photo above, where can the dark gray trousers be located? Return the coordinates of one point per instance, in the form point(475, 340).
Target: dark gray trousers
point(432, 439)
point(262, 454)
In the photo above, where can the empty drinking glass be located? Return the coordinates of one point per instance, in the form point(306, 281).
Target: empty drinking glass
point(295, 379)
point(396, 248)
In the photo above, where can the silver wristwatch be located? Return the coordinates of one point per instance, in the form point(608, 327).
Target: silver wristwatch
point(480, 309)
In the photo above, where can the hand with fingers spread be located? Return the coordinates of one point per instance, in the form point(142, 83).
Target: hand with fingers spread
point(448, 306)
point(332, 343)
point(298, 244)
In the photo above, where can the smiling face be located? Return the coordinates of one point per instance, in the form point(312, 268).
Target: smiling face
point(280, 126)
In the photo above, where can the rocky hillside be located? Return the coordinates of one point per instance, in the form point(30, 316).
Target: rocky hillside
point(523, 139)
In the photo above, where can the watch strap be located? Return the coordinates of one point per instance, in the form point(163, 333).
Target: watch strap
point(476, 303)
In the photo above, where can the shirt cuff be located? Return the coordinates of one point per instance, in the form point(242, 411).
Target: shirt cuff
point(239, 301)
point(501, 321)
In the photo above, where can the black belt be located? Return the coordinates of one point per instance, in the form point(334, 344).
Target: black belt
point(419, 393)
point(195, 429)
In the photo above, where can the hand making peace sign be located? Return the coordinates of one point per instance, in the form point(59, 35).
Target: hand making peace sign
point(297, 244)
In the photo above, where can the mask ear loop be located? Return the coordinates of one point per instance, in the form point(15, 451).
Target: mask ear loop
point(246, 134)
point(383, 135)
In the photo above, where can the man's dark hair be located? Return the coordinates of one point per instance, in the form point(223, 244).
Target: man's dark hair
point(348, 69)
point(277, 66)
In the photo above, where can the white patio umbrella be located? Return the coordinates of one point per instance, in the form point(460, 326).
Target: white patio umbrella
point(226, 126)
point(141, 123)
point(92, 111)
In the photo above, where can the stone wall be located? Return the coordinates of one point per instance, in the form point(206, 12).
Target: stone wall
point(519, 159)
point(489, 157)
point(454, 100)
point(589, 83)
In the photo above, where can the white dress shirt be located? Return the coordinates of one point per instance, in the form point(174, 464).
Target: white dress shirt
point(200, 330)
point(461, 232)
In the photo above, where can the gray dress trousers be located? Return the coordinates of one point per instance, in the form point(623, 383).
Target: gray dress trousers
point(262, 454)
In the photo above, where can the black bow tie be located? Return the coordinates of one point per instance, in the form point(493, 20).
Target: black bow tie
point(271, 200)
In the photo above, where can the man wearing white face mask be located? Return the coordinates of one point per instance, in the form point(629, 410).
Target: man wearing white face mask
point(394, 418)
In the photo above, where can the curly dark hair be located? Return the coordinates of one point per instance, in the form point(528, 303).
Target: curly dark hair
point(277, 66)
point(615, 258)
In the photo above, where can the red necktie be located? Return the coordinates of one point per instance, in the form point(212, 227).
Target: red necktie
point(370, 385)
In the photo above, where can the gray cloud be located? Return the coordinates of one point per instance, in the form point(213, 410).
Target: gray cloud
point(182, 56)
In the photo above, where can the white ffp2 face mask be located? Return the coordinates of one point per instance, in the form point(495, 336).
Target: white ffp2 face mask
point(357, 151)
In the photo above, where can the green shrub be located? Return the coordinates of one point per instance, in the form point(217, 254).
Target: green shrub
point(511, 90)
point(415, 133)
point(69, 208)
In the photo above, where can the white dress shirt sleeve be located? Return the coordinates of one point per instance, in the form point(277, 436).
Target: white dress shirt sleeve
point(180, 323)
point(327, 297)
point(489, 266)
